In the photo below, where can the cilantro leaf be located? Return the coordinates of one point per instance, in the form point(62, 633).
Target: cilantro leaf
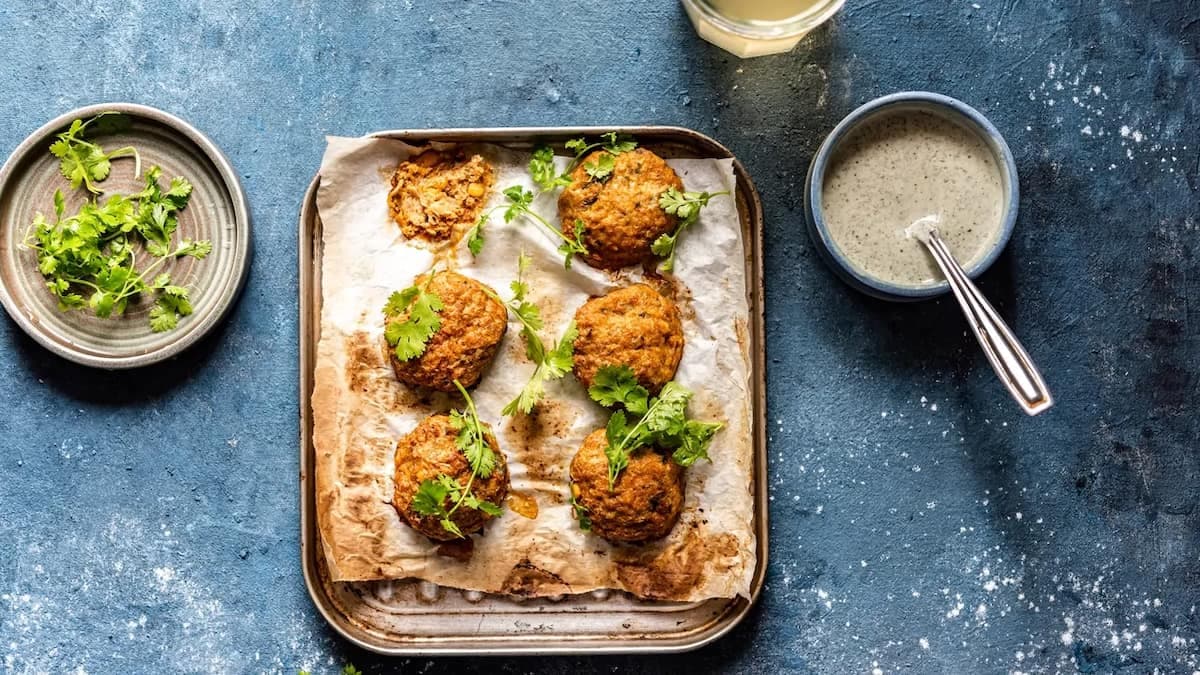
point(686, 207)
point(601, 169)
point(84, 163)
point(349, 669)
point(617, 385)
point(549, 364)
point(561, 359)
point(581, 513)
point(617, 146)
point(577, 146)
point(572, 246)
point(475, 234)
point(617, 450)
point(694, 442)
point(162, 319)
point(409, 335)
point(430, 498)
point(543, 171)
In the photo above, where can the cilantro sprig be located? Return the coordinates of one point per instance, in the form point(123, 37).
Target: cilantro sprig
point(90, 259)
point(547, 178)
point(543, 171)
point(685, 206)
point(546, 175)
point(433, 494)
point(581, 513)
point(550, 364)
point(601, 169)
point(85, 163)
point(408, 338)
point(644, 420)
point(519, 204)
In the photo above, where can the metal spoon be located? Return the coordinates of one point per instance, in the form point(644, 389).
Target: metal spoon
point(1008, 358)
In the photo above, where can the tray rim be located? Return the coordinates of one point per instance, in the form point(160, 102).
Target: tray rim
point(231, 288)
point(737, 608)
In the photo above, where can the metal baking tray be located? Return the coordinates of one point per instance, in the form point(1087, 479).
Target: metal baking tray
point(418, 618)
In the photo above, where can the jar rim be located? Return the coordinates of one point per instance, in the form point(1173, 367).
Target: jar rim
point(783, 28)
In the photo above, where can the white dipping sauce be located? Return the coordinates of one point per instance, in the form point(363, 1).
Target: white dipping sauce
point(899, 167)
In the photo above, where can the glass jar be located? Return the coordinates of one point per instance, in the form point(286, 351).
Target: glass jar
point(749, 28)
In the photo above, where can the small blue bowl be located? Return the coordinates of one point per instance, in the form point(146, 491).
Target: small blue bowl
point(953, 110)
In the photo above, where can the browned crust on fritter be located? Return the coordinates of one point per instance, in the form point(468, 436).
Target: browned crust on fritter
point(429, 451)
point(645, 502)
point(621, 216)
point(473, 324)
point(436, 193)
point(633, 326)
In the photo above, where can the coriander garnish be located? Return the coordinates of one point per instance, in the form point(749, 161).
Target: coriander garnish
point(94, 252)
point(432, 494)
point(546, 176)
point(550, 364)
point(661, 421)
point(543, 171)
point(581, 513)
point(541, 164)
point(601, 169)
point(685, 206)
point(519, 201)
point(408, 338)
point(84, 162)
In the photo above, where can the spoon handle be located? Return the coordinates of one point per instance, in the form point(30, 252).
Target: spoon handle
point(1008, 358)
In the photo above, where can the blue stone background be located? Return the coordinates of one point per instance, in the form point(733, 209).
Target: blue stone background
point(920, 523)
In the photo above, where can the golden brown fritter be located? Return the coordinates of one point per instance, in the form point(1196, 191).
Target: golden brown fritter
point(435, 193)
point(621, 216)
point(645, 502)
point(633, 326)
point(429, 451)
point(473, 323)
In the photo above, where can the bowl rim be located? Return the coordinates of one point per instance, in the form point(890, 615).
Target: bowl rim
point(956, 109)
point(231, 287)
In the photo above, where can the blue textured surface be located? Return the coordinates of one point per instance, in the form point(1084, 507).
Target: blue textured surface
point(148, 521)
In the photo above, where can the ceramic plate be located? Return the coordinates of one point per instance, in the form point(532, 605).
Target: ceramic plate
point(216, 211)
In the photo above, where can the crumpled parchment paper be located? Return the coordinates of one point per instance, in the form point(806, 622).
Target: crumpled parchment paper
point(360, 410)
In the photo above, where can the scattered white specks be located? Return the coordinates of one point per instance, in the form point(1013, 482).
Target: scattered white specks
point(1068, 635)
point(164, 576)
point(924, 643)
point(957, 609)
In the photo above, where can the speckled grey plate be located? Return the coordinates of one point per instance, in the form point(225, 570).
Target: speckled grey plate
point(217, 211)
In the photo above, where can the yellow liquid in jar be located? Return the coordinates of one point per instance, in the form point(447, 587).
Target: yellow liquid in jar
point(764, 10)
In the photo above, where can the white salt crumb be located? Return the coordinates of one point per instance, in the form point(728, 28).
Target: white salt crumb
point(924, 643)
